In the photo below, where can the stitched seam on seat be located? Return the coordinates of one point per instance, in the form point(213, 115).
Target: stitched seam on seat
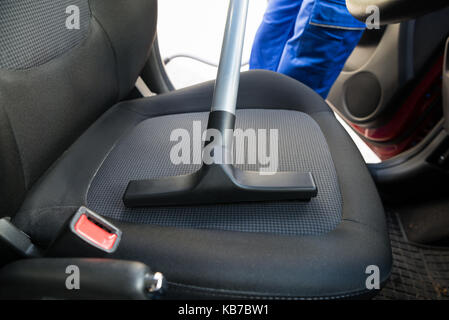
point(362, 224)
point(237, 294)
point(114, 53)
point(249, 295)
point(292, 108)
point(25, 183)
point(106, 156)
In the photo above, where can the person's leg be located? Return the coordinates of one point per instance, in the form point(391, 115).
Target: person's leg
point(276, 28)
point(324, 36)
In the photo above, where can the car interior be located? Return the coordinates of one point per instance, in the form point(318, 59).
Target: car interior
point(88, 180)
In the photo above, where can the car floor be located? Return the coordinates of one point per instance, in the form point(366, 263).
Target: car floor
point(420, 272)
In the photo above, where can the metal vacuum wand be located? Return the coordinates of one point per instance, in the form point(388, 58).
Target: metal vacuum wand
point(222, 114)
point(219, 181)
point(228, 77)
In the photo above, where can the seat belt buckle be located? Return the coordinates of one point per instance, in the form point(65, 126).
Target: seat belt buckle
point(95, 230)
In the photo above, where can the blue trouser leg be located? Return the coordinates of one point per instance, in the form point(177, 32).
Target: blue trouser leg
point(309, 40)
point(318, 49)
point(276, 28)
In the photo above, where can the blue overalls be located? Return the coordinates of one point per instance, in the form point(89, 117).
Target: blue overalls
point(309, 40)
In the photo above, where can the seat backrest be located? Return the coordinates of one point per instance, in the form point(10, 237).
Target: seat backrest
point(62, 64)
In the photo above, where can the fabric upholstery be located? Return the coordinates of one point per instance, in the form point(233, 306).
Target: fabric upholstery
point(145, 153)
point(211, 263)
point(34, 32)
point(53, 89)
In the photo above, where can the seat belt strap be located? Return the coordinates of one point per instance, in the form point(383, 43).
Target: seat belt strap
point(14, 243)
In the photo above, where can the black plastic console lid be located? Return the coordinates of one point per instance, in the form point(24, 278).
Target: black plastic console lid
point(98, 279)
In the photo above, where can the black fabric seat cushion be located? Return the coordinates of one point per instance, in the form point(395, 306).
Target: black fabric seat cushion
point(145, 153)
point(222, 263)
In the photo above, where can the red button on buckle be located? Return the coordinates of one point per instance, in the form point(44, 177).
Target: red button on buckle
point(95, 230)
point(89, 230)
